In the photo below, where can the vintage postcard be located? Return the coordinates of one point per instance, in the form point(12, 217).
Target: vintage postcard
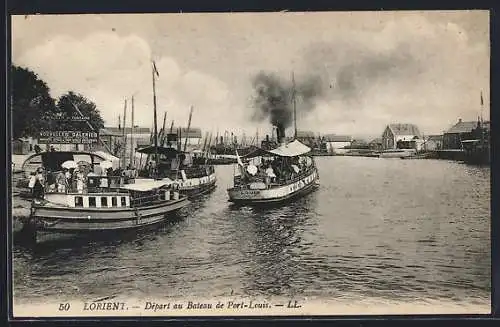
point(243, 164)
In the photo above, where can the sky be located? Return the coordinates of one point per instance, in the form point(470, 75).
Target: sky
point(375, 68)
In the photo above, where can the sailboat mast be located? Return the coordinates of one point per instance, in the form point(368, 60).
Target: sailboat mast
point(132, 135)
point(294, 107)
point(154, 72)
point(188, 128)
point(124, 136)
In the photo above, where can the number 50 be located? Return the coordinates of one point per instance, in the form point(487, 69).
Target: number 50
point(64, 306)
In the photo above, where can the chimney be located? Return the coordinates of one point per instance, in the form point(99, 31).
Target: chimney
point(267, 137)
point(459, 120)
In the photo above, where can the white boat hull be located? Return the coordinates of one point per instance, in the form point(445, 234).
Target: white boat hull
point(275, 194)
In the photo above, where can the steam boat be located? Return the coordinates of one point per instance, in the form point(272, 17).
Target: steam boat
point(274, 175)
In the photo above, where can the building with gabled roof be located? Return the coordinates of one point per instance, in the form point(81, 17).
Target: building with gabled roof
point(402, 134)
point(453, 137)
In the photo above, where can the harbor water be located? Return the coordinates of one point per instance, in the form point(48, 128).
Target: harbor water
point(387, 229)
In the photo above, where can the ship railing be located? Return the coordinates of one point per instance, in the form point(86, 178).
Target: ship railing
point(152, 198)
point(279, 180)
point(91, 184)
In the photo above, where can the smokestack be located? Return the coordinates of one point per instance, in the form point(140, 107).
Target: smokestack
point(280, 133)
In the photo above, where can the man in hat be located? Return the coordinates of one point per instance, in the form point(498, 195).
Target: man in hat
point(38, 188)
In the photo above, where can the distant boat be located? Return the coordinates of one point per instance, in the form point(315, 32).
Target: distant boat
point(192, 177)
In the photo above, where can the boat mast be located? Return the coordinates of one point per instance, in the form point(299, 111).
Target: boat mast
point(163, 129)
point(132, 154)
point(294, 107)
point(188, 128)
point(155, 73)
point(124, 136)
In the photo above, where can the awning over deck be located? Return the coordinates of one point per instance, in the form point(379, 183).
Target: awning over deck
point(292, 149)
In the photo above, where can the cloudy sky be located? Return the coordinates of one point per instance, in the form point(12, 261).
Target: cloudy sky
point(376, 68)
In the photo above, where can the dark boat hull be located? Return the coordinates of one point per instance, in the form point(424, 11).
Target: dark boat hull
point(56, 223)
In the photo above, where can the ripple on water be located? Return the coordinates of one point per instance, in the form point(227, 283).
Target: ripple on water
point(374, 228)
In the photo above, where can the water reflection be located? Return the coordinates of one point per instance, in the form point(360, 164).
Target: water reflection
point(272, 242)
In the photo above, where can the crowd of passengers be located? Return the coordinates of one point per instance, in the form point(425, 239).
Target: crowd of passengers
point(78, 179)
point(275, 170)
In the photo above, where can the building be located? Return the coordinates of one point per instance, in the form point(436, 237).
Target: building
point(452, 138)
point(337, 143)
point(433, 142)
point(401, 136)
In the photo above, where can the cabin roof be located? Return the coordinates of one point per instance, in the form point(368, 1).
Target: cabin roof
point(377, 140)
point(144, 185)
point(163, 150)
point(292, 149)
point(404, 129)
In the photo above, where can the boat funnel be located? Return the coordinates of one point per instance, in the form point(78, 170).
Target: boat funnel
point(280, 133)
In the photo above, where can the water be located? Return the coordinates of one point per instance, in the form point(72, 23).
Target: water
point(393, 229)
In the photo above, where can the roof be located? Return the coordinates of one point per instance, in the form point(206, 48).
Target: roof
point(292, 149)
point(465, 127)
point(377, 140)
point(193, 132)
point(404, 129)
point(337, 138)
point(144, 185)
point(128, 130)
point(107, 132)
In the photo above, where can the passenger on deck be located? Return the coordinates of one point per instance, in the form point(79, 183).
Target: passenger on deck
point(39, 187)
point(61, 181)
point(80, 181)
point(104, 180)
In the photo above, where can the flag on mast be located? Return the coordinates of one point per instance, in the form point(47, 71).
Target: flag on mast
point(155, 70)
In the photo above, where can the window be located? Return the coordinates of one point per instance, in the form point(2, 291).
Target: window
point(78, 201)
point(114, 202)
point(92, 201)
point(104, 201)
point(124, 201)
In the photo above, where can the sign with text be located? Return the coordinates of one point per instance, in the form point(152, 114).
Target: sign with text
point(68, 137)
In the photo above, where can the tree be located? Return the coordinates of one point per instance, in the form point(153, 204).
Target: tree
point(31, 103)
point(66, 112)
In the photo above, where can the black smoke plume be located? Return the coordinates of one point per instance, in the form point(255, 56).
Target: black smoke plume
point(274, 94)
